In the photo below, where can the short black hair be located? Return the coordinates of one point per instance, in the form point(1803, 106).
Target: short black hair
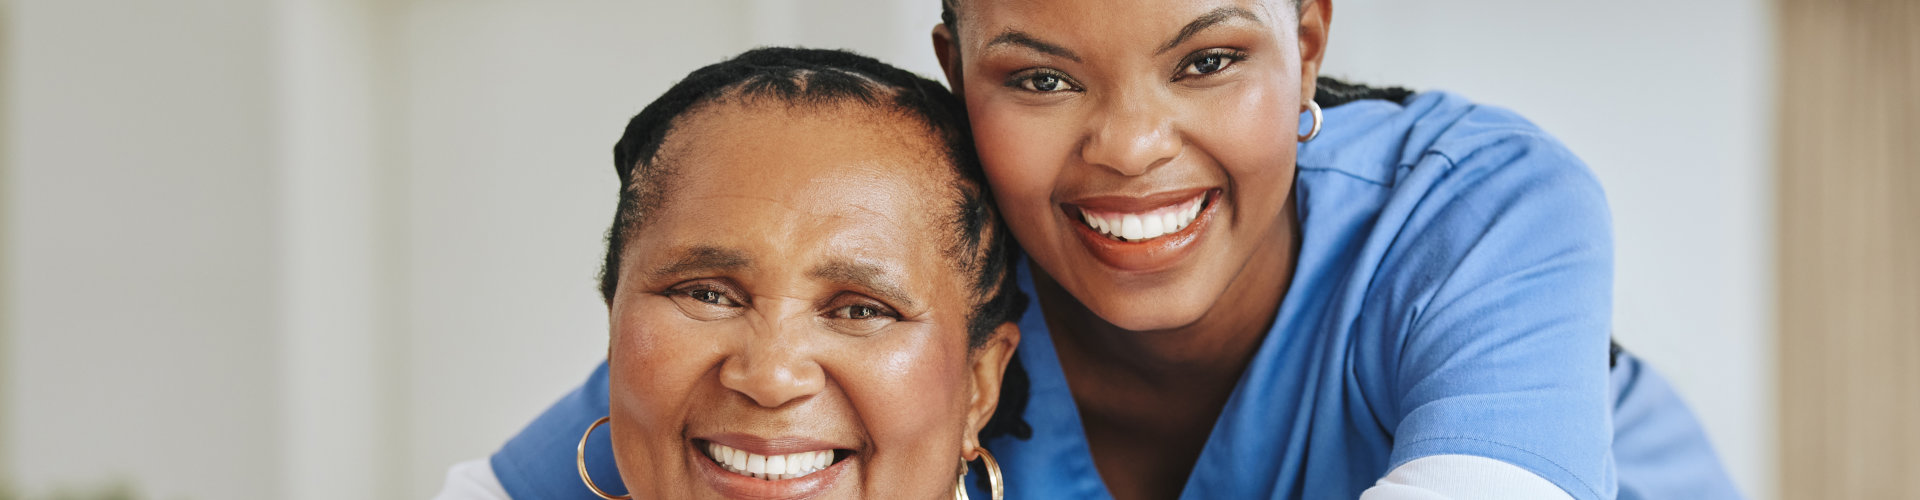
point(814, 77)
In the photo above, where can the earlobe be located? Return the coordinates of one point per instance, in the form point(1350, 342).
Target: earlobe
point(946, 47)
point(989, 367)
point(1316, 21)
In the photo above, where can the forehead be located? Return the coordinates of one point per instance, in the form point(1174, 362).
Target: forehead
point(760, 147)
point(806, 178)
point(1131, 18)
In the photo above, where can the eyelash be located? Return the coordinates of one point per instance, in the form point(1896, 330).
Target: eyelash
point(1027, 80)
point(879, 311)
point(1020, 81)
point(1228, 58)
point(697, 290)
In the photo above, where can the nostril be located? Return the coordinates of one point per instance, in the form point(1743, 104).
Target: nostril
point(772, 383)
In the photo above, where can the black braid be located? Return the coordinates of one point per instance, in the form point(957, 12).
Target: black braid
point(1330, 92)
point(821, 77)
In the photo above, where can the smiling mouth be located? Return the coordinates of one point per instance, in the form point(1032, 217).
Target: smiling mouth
point(1145, 225)
point(774, 467)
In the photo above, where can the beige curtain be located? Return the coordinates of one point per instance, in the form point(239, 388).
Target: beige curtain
point(1849, 249)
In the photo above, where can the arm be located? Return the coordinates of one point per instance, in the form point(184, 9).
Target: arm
point(1500, 286)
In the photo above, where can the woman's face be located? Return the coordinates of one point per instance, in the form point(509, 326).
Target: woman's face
point(791, 311)
point(1141, 151)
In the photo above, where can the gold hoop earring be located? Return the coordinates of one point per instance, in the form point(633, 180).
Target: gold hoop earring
point(580, 460)
point(996, 483)
point(1313, 108)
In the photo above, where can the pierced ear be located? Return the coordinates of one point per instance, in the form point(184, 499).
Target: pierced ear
point(946, 47)
point(1316, 21)
point(989, 366)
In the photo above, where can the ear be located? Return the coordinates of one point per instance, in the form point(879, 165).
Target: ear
point(946, 47)
point(989, 365)
point(1316, 18)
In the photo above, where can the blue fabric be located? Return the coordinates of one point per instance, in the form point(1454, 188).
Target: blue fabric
point(1661, 450)
point(540, 461)
point(1452, 296)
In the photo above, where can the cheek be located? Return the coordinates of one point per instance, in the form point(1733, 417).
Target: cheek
point(1250, 133)
point(1023, 152)
point(653, 371)
point(912, 398)
point(650, 359)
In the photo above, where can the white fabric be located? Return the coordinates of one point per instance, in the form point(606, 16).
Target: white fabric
point(1462, 477)
point(472, 480)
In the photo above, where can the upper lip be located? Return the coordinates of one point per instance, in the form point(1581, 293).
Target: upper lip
point(771, 446)
point(1134, 204)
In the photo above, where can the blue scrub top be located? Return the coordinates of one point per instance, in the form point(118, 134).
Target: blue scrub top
point(1452, 296)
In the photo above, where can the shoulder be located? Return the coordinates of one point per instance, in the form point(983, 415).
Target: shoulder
point(1385, 141)
point(1443, 178)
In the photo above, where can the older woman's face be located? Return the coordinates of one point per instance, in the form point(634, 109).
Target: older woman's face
point(788, 325)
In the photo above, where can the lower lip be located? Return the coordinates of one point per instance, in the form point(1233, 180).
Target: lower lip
point(732, 485)
point(1152, 255)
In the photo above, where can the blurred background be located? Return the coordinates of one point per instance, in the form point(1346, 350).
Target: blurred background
point(325, 249)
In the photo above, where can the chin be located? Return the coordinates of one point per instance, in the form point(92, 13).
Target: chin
point(1148, 309)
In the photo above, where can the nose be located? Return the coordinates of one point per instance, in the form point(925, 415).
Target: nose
point(773, 369)
point(1131, 136)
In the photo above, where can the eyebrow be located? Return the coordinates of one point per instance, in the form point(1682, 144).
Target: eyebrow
point(868, 276)
point(1208, 20)
point(704, 258)
point(1021, 38)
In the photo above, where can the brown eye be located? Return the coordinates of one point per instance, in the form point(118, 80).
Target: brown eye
point(857, 312)
point(1044, 83)
point(1207, 63)
point(860, 316)
point(1041, 81)
point(710, 297)
point(861, 312)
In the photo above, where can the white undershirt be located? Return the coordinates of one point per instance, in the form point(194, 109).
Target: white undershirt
point(1438, 477)
point(472, 480)
point(1461, 477)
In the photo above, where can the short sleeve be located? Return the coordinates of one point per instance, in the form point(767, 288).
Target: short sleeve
point(1497, 297)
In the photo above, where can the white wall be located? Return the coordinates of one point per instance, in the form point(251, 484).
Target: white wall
point(324, 248)
point(140, 246)
point(1671, 103)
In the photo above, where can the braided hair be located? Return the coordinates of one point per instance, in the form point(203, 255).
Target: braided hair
point(814, 77)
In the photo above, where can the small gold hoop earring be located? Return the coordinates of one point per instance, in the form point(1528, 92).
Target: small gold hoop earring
point(997, 483)
point(580, 460)
point(1313, 108)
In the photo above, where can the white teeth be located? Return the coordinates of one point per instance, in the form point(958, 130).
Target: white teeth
point(1151, 225)
point(1130, 227)
point(1144, 226)
point(776, 464)
point(771, 468)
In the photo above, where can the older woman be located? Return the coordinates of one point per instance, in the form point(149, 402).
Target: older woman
point(809, 292)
